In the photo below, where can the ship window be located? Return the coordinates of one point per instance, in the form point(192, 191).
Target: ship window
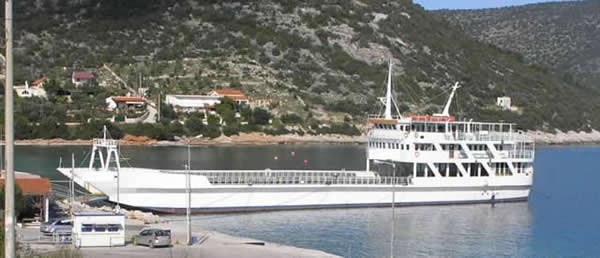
point(408, 146)
point(86, 227)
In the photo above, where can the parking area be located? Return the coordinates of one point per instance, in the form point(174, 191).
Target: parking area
point(206, 244)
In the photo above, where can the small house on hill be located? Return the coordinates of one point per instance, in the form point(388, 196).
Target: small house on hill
point(24, 91)
point(39, 82)
point(79, 78)
point(125, 103)
point(236, 95)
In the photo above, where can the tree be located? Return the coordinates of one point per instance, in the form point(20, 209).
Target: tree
point(226, 104)
point(167, 113)
point(260, 117)
point(175, 129)
point(23, 204)
point(194, 124)
point(213, 129)
point(50, 128)
point(291, 119)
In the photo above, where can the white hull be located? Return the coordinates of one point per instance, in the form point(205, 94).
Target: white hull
point(155, 190)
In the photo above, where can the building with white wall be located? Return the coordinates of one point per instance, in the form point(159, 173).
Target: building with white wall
point(98, 229)
point(504, 102)
point(192, 103)
point(24, 91)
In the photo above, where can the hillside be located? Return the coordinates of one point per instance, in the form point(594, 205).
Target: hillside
point(563, 35)
point(323, 61)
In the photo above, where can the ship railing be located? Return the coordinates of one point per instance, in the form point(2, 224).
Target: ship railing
point(383, 117)
point(521, 154)
point(105, 142)
point(485, 137)
point(308, 180)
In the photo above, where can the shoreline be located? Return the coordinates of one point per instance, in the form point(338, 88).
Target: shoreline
point(541, 138)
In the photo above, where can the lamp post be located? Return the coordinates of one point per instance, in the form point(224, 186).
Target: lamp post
point(389, 162)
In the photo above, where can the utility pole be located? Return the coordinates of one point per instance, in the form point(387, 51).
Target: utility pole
point(158, 105)
point(118, 207)
point(394, 179)
point(72, 184)
point(189, 199)
point(393, 209)
point(9, 198)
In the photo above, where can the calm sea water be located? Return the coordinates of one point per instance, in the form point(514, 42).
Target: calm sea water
point(562, 217)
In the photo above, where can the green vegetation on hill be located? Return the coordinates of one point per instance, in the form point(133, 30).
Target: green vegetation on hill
point(563, 35)
point(326, 60)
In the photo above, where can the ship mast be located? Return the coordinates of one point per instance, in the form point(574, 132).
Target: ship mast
point(388, 94)
point(447, 107)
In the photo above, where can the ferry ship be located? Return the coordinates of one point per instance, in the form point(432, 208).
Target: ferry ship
point(410, 160)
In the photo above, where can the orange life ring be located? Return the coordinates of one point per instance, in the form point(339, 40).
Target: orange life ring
point(416, 154)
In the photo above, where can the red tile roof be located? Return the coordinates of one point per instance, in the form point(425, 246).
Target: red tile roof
point(128, 99)
point(83, 75)
point(32, 186)
point(227, 92)
point(37, 82)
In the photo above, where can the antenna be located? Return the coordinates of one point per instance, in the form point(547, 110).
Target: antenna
point(447, 107)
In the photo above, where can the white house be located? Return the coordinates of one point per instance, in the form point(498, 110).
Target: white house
point(192, 103)
point(125, 102)
point(24, 91)
point(98, 229)
point(504, 102)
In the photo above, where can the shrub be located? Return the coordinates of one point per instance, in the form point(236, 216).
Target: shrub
point(231, 130)
point(291, 119)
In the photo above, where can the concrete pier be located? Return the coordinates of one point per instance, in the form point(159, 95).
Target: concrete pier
point(206, 244)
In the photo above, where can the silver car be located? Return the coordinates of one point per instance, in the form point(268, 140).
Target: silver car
point(60, 226)
point(153, 237)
